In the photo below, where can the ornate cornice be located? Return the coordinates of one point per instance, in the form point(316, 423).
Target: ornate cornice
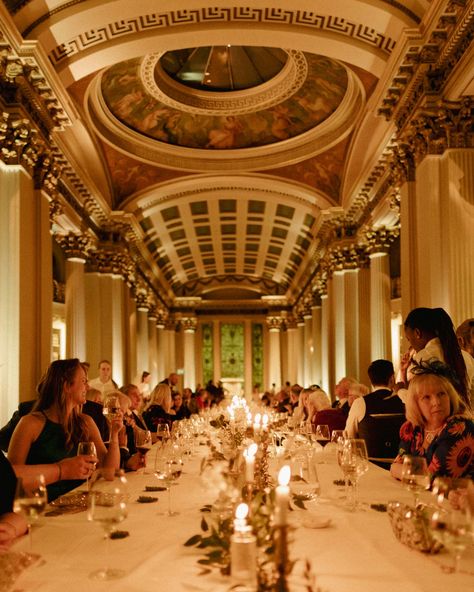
point(189, 324)
point(274, 323)
point(75, 246)
point(342, 258)
point(381, 239)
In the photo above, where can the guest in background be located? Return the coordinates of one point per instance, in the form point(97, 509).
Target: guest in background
point(189, 401)
point(317, 401)
point(434, 428)
point(104, 382)
point(342, 394)
point(171, 381)
point(181, 411)
point(465, 335)
point(135, 397)
point(94, 395)
point(45, 441)
point(144, 387)
point(159, 407)
point(431, 335)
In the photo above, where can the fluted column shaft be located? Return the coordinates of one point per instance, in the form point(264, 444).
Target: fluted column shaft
point(292, 349)
point(380, 308)
point(300, 360)
point(75, 309)
point(308, 348)
point(316, 358)
point(274, 360)
point(189, 379)
point(142, 341)
point(160, 353)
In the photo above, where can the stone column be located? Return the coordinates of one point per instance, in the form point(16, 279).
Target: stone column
point(274, 352)
point(152, 348)
point(292, 350)
point(327, 367)
point(437, 216)
point(300, 360)
point(160, 350)
point(142, 339)
point(380, 303)
point(26, 289)
point(189, 330)
point(75, 248)
point(316, 312)
point(308, 347)
point(170, 353)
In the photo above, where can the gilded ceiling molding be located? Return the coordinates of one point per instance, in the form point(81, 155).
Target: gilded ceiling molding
point(189, 324)
point(274, 323)
point(428, 62)
point(157, 22)
point(117, 261)
point(75, 246)
point(319, 285)
point(379, 240)
point(191, 288)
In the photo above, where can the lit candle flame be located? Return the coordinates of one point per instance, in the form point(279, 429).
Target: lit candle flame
point(284, 475)
point(241, 511)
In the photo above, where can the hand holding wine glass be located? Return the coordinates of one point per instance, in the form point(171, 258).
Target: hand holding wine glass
point(30, 501)
point(88, 449)
point(143, 442)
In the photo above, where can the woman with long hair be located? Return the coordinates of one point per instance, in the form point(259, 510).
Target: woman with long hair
point(159, 407)
point(431, 334)
point(45, 441)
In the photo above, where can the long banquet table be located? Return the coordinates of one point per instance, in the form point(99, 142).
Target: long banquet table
point(357, 552)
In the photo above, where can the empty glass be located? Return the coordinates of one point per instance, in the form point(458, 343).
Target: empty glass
point(415, 475)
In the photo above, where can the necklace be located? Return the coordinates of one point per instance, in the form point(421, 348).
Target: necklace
point(430, 435)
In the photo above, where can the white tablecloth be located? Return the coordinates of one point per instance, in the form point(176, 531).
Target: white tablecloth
point(356, 553)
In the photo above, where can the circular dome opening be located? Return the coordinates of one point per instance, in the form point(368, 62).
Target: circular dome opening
point(223, 68)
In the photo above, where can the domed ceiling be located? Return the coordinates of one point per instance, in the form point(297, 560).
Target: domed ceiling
point(132, 98)
point(226, 136)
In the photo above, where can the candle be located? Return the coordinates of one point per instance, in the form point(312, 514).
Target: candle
point(249, 456)
point(282, 496)
point(240, 522)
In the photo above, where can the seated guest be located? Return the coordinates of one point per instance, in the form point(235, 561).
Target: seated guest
point(318, 400)
point(135, 397)
point(11, 525)
point(94, 395)
point(282, 402)
point(300, 412)
point(465, 335)
point(158, 409)
point(342, 393)
point(294, 391)
point(435, 429)
point(45, 441)
point(380, 400)
point(181, 411)
point(189, 401)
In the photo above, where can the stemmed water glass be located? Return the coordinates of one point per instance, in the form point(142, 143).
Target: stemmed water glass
point(415, 475)
point(354, 462)
point(88, 449)
point(168, 469)
point(30, 501)
point(304, 481)
point(108, 506)
point(451, 522)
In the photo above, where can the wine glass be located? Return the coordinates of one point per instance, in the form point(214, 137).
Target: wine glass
point(108, 506)
point(321, 434)
point(415, 475)
point(168, 469)
point(88, 449)
point(30, 501)
point(143, 443)
point(163, 433)
point(111, 408)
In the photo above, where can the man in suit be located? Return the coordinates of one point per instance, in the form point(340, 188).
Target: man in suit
point(381, 400)
point(133, 393)
point(171, 381)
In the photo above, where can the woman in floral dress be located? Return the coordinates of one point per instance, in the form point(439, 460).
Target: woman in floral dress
point(434, 428)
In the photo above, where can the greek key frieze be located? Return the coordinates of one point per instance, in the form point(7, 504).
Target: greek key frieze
point(121, 28)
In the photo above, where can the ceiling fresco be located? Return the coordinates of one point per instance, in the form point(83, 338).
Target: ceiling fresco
point(321, 93)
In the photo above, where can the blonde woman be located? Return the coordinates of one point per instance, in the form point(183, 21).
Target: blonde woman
point(159, 407)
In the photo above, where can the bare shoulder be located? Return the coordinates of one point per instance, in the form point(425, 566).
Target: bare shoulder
point(32, 420)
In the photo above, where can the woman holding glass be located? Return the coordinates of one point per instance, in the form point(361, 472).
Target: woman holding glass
point(435, 429)
point(46, 440)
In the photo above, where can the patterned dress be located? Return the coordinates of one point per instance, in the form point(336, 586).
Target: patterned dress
point(450, 454)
